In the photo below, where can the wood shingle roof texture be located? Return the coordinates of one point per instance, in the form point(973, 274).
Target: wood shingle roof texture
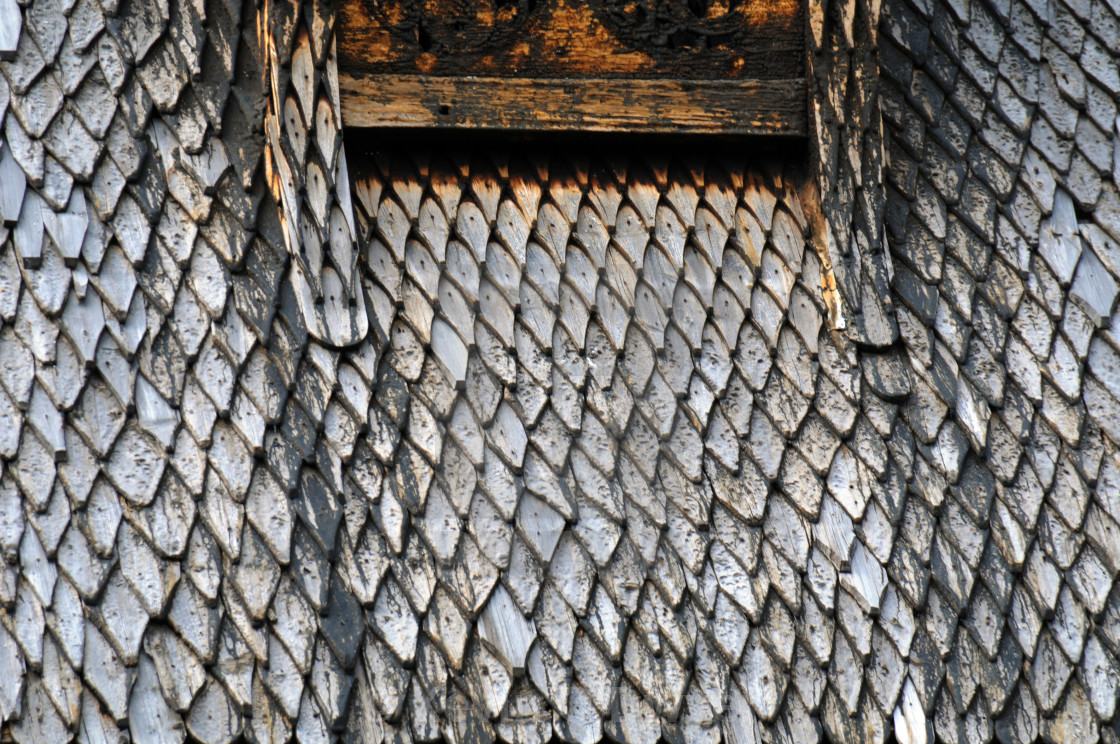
point(521, 442)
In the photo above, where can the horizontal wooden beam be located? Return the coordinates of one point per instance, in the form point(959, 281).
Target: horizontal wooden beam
point(742, 107)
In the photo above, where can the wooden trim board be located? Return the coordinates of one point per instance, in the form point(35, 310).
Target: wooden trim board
point(745, 107)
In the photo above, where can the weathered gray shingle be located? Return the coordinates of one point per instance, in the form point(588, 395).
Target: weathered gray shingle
point(638, 446)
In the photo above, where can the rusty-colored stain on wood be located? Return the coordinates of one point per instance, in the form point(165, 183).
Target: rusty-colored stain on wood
point(597, 105)
point(718, 66)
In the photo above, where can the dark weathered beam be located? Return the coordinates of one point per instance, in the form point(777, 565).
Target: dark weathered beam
point(743, 107)
point(634, 39)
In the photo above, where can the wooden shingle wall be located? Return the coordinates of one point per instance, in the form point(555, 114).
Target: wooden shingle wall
point(499, 444)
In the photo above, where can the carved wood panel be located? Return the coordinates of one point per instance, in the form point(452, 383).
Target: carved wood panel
point(726, 66)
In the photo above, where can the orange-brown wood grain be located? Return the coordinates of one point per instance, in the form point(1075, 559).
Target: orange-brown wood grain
point(755, 39)
point(726, 66)
point(597, 105)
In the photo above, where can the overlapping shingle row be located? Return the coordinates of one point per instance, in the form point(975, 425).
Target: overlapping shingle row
point(1002, 211)
point(139, 272)
point(514, 444)
point(580, 442)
